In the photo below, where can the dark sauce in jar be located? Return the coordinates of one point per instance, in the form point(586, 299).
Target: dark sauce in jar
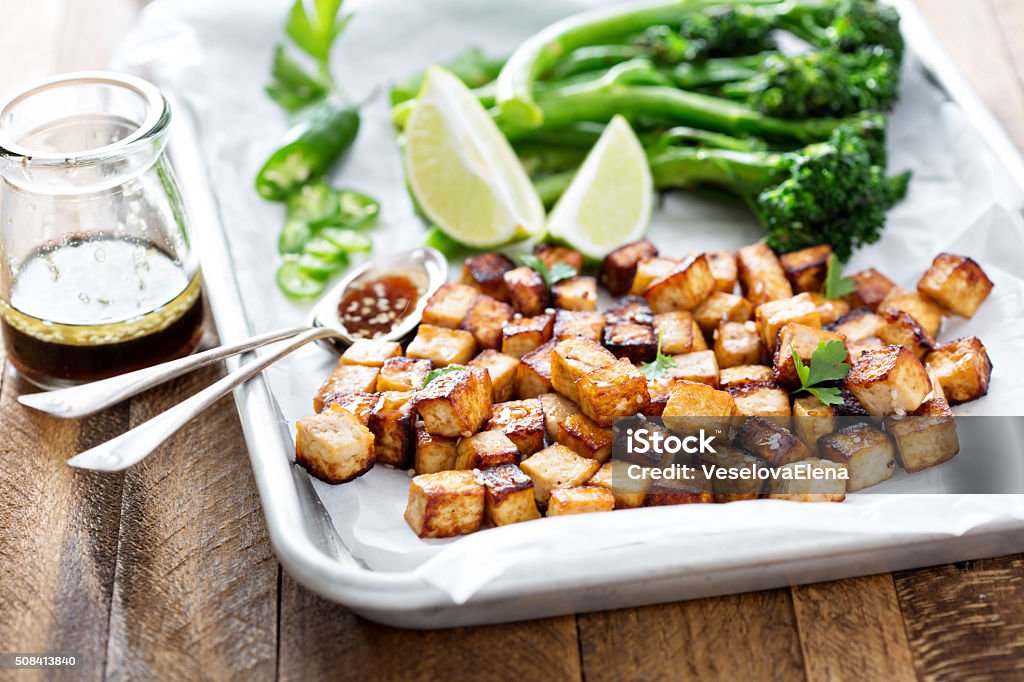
point(373, 308)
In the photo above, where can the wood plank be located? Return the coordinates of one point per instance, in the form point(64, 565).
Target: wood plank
point(319, 639)
point(195, 592)
point(1010, 18)
point(739, 637)
point(966, 621)
point(853, 630)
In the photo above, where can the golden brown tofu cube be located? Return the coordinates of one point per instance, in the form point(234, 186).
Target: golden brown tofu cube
point(485, 450)
point(635, 342)
point(575, 293)
point(926, 438)
point(867, 453)
point(371, 353)
point(812, 419)
point(963, 369)
point(774, 444)
point(872, 286)
point(449, 305)
point(762, 401)
point(572, 358)
point(660, 389)
point(830, 309)
point(701, 367)
point(403, 374)
point(723, 269)
point(630, 309)
point(557, 467)
point(550, 254)
point(556, 409)
point(732, 460)
point(858, 325)
point(580, 500)
point(581, 435)
point(957, 283)
point(692, 406)
point(445, 504)
point(928, 314)
point(649, 271)
point(684, 288)
point(629, 491)
point(762, 278)
point(442, 346)
point(745, 376)
point(900, 329)
point(857, 349)
point(486, 272)
point(524, 334)
point(616, 390)
point(527, 291)
point(619, 267)
point(806, 268)
point(393, 425)
point(828, 486)
point(721, 307)
point(359, 404)
point(334, 446)
point(434, 453)
point(345, 379)
point(502, 370)
point(508, 495)
point(890, 380)
point(588, 323)
point(486, 319)
point(774, 315)
point(678, 333)
point(804, 340)
point(738, 343)
point(533, 376)
point(665, 493)
point(455, 404)
point(522, 421)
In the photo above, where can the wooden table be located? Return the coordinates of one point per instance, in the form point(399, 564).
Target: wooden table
point(166, 572)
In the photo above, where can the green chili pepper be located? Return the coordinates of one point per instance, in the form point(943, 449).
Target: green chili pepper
point(296, 283)
point(346, 240)
point(294, 236)
point(357, 210)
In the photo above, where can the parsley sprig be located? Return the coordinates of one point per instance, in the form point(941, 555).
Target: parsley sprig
point(556, 273)
point(659, 367)
point(836, 286)
point(828, 363)
point(441, 371)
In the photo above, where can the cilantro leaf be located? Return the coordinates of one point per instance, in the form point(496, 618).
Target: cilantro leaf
point(828, 395)
point(660, 366)
point(828, 363)
point(802, 370)
point(293, 87)
point(315, 33)
point(836, 286)
point(556, 273)
point(441, 371)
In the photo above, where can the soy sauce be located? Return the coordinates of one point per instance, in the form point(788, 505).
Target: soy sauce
point(371, 309)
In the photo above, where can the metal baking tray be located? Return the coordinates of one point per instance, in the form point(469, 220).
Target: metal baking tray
point(310, 549)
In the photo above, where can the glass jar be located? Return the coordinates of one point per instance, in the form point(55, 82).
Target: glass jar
point(97, 273)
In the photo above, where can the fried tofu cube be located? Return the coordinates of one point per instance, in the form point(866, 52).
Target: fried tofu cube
point(722, 307)
point(872, 286)
point(550, 254)
point(926, 438)
point(867, 453)
point(615, 390)
point(533, 375)
point(723, 270)
point(762, 401)
point(524, 334)
point(665, 493)
point(334, 446)
point(649, 271)
point(588, 323)
point(962, 368)
point(679, 332)
point(556, 409)
point(723, 485)
point(857, 349)
point(660, 389)
point(345, 379)
point(445, 504)
point(455, 404)
point(812, 419)
point(486, 272)
point(581, 435)
point(359, 404)
point(522, 421)
point(572, 358)
point(762, 278)
point(619, 267)
point(684, 288)
point(580, 500)
point(508, 495)
point(890, 380)
point(371, 353)
point(900, 329)
point(701, 367)
point(485, 320)
point(774, 315)
point(449, 305)
point(806, 269)
point(738, 343)
point(442, 346)
point(635, 342)
point(774, 444)
point(485, 450)
point(629, 492)
point(575, 293)
point(502, 370)
point(393, 425)
point(829, 486)
point(745, 376)
point(403, 374)
point(630, 309)
point(928, 314)
point(858, 325)
point(957, 283)
point(434, 453)
point(804, 340)
point(557, 467)
point(527, 291)
point(693, 406)
point(830, 309)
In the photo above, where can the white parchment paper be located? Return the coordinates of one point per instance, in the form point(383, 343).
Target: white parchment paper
point(215, 57)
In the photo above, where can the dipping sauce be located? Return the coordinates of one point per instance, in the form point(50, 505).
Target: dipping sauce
point(373, 308)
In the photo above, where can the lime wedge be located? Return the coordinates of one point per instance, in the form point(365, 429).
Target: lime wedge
point(463, 172)
point(609, 201)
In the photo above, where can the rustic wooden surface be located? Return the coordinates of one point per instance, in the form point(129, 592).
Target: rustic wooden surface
point(166, 572)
